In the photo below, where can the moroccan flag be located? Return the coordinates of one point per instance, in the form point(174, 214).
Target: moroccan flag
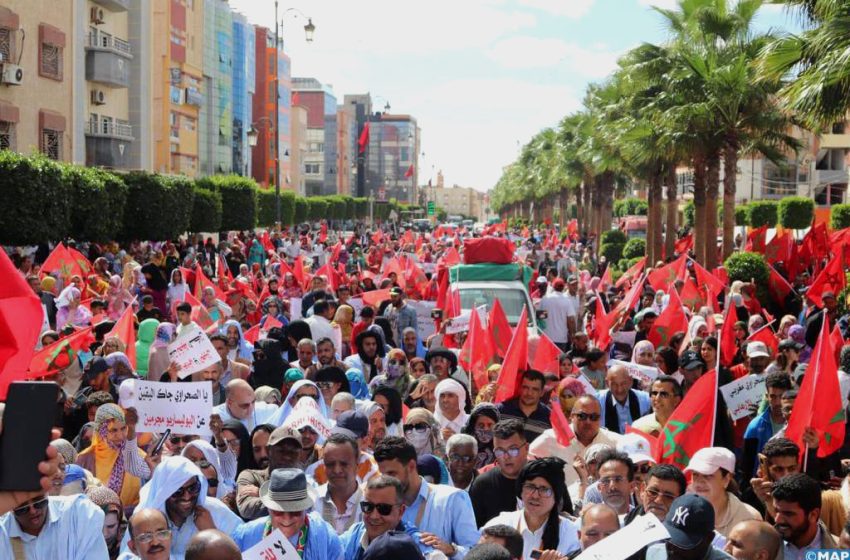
point(819, 403)
point(631, 299)
point(632, 273)
point(124, 329)
point(691, 426)
point(502, 332)
point(199, 315)
point(477, 351)
point(298, 271)
point(328, 272)
point(602, 326)
point(546, 355)
point(728, 346)
point(516, 361)
point(409, 172)
point(375, 297)
point(837, 340)
point(225, 278)
point(572, 229)
point(671, 321)
point(21, 318)
point(58, 355)
point(830, 279)
point(709, 284)
point(450, 257)
point(363, 141)
point(81, 260)
point(61, 260)
point(780, 248)
point(252, 335)
point(662, 278)
point(266, 242)
point(691, 295)
point(605, 282)
point(684, 244)
point(756, 240)
point(563, 431)
point(377, 237)
point(778, 286)
point(766, 335)
point(201, 282)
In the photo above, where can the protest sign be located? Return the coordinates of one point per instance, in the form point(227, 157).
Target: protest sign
point(274, 547)
point(641, 532)
point(184, 407)
point(193, 352)
point(743, 395)
point(295, 308)
point(424, 321)
point(588, 386)
point(460, 323)
point(306, 413)
point(644, 374)
point(357, 305)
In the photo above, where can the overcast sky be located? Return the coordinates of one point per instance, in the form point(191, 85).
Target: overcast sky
point(480, 76)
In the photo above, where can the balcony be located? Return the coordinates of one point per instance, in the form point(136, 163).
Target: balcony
point(835, 141)
point(108, 143)
point(829, 176)
point(108, 60)
point(114, 5)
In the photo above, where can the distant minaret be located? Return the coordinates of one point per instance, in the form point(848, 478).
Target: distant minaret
point(440, 183)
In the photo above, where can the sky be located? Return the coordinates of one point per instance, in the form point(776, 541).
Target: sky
point(481, 77)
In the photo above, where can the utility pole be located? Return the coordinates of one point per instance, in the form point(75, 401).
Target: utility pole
point(276, 117)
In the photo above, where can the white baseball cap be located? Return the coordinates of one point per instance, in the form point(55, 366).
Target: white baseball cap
point(636, 447)
point(708, 459)
point(757, 349)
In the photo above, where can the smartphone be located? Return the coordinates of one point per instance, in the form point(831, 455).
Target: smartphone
point(536, 553)
point(158, 447)
point(437, 314)
point(27, 424)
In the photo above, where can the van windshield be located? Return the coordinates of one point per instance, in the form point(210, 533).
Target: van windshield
point(512, 301)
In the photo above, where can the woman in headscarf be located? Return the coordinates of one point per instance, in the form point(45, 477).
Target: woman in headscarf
point(390, 401)
point(386, 330)
point(117, 297)
point(697, 327)
point(119, 363)
point(422, 393)
point(268, 395)
point(204, 455)
point(569, 390)
point(158, 360)
point(344, 319)
point(290, 288)
point(273, 307)
point(84, 437)
point(235, 430)
point(113, 519)
point(69, 312)
point(268, 365)
point(217, 309)
point(300, 389)
point(480, 426)
point(256, 255)
point(156, 279)
point(144, 340)
point(643, 353)
point(417, 367)
point(95, 286)
point(396, 375)
point(449, 411)
point(359, 387)
point(423, 432)
point(798, 334)
point(177, 290)
point(296, 331)
point(113, 456)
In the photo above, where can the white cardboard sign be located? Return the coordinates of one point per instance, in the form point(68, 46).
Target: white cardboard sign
point(742, 394)
point(193, 352)
point(641, 532)
point(645, 374)
point(274, 547)
point(185, 408)
point(424, 321)
point(306, 413)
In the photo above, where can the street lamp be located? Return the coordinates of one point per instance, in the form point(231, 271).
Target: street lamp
point(309, 29)
point(253, 136)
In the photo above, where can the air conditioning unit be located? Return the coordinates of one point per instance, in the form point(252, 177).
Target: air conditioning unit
point(96, 16)
point(98, 97)
point(11, 74)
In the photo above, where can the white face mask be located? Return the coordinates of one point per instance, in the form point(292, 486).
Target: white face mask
point(420, 440)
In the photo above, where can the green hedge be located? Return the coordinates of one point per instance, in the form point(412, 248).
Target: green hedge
point(238, 200)
point(840, 217)
point(742, 215)
point(634, 248)
point(631, 207)
point(319, 208)
point(763, 213)
point(302, 210)
point(690, 213)
point(796, 212)
point(206, 211)
point(36, 203)
point(626, 264)
point(746, 267)
point(267, 207)
point(614, 236)
point(612, 251)
point(99, 198)
point(159, 207)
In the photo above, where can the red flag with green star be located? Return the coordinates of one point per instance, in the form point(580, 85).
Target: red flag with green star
point(691, 426)
point(516, 361)
point(61, 259)
point(691, 295)
point(125, 330)
point(502, 332)
point(59, 355)
point(671, 321)
point(819, 404)
point(662, 278)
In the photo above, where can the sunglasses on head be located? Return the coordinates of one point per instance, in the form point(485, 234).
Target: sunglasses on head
point(193, 490)
point(175, 440)
point(24, 509)
point(369, 507)
point(419, 427)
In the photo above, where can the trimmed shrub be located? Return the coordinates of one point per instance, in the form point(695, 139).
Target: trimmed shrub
point(746, 266)
point(796, 212)
point(238, 200)
point(287, 208)
point(319, 208)
point(36, 202)
point(614, 236)
point(742, 215)
point(763, 213)
point(626, 264)
point(361, 208)
point(840, 217)
point(158, 207)
point(634, 248)
point(631, 207)
point(206, 211)
point(302, 209)
point(690, 213)
point(612, 251)
point(266, 209)
point(98, 197)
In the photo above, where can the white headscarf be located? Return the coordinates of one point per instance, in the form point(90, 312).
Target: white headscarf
point(168, 477)
point(455, 388)
point(211, 455)
point(67, 295)
point(279, 417)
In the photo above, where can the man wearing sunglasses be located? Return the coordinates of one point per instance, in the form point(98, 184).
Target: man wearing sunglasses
point(665, 394)
point(54, 527)
point(382, 508)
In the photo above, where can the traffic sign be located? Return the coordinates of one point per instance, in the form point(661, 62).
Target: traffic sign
point(431, 208)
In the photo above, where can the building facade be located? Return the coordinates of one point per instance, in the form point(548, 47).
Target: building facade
point(391, 157)
point(216, 116)
point(244, 83)
point(320, 160)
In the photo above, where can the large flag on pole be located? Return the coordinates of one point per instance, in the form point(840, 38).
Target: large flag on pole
point(516, 361)
point(691, 426)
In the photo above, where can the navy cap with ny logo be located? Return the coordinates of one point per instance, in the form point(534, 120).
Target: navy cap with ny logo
point(689, 521)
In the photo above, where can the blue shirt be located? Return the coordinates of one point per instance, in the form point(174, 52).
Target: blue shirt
point(760, 429)
point(73, 530)
point(322, 542)
point(352, 538)
point(447, 514)
point(624, 416)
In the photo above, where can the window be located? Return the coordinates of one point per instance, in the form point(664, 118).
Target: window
point(271, 65)
point(50, 65)
point(6, 44)
point(271, 91)
point(7, 135)
point(313, 168)
point(51, 143)
point(106, 125)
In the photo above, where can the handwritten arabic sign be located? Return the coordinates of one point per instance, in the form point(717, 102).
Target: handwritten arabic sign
point(306, 413)
point(193, 352)
point(295, 308)
point(183, 407)
point(641, 532)
point(644, 374)
point(274, 547)
point(424, 321)
point(743, 394)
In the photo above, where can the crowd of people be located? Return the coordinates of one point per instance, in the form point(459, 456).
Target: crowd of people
point(422, 459)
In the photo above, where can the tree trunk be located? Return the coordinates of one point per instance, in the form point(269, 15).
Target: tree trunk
point(587, 204)
point(712, 190)
point(563, 206)
point(656, 197)
point(672, 210)
point(606, 209)
point(593, 207)
point(650, 225)
point(730, 170)
point(699, 207)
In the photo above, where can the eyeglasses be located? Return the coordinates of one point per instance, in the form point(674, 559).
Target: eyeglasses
point(461, 458)
point(145, 538)
point(233, 443)
point(193, 490)
point(659, 394)
point(324, 384)
point(652, 493)
point(420, 427)
point(203, 464)
point(512, 451)
point(175, 440)
point(212, 482)
point(383, 509)
point(583, 416)
point(542, 491)
point(607, 481)
point(37, 505)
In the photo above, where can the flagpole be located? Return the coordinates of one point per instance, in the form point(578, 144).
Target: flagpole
point(716, 384)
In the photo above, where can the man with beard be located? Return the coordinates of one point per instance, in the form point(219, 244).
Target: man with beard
point(150, 537)
point(778, 459)
point(753, 540)
point(368, 356)
point(230, 369)
point(66, 527)
point(178, 489)
point(766, 424)
point(259, 445)
point(284, 449)
point(690, 523)
point(238, 349)
point(338, 499)
point(325, 357)
point(797, 503)
point(616, 480)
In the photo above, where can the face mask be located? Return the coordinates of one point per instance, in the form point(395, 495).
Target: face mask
point(393, 371)
point(419, 440)
point(483, 436)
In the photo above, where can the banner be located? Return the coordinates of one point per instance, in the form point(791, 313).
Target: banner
point(193, 352)
point(295, 308)
point(184, 407)
point(644, 374)
point(743, 395)
point(274, 547)
point(306, 413)
point(424, 321)
point(357, 305)
point(641, 532)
